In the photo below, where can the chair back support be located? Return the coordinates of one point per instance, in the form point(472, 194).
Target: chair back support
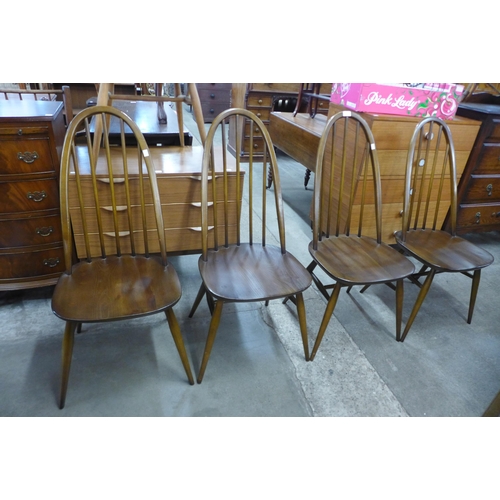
point(221, 169)
point(430, 181)
point(347, 188)
point(110, 203)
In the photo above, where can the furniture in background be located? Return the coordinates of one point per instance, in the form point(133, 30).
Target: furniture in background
point(317, 101)
point(31, 138)
point(479, 187)
point(214, 98)
point(118, 277)
point(240, 266)
point(262, 99)
point(347, 201)
point(299, 138)
point(430, 183)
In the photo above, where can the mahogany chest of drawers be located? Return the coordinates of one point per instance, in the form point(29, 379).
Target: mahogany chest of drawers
point(479, 188)
point(31, 139)
point(215, 98)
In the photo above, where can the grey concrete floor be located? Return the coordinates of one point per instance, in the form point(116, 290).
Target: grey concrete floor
point(444, 368)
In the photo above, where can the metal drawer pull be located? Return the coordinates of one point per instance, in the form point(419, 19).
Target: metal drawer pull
point(28, 157)
point(37, 196)
point(51, 262)
point(489, 189)
point(44, 231)
point(478, 217)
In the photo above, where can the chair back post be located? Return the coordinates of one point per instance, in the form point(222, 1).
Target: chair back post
point(349, 167)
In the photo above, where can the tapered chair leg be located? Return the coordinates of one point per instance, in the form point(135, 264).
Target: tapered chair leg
point(473, 293)
point(212, 332)
point(399, 307)
point(67, 353)
point(201, 293)
point(179, 343)
point(420, 299)
point(332, 302)
point(301, 310)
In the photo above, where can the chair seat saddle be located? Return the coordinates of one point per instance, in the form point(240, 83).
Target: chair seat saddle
point(252, 272)
point(360, 260)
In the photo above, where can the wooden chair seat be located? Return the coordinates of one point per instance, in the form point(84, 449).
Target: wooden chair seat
point(360, 260)
point(116, 288)
point(249, 273)
point(443, 251)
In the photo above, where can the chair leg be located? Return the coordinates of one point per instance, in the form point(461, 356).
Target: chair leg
point(67, 353)
point(212, 332)
point(326, 318)
point(301, 310)
point(473, 293)
point(420, 299)
point(179, 343)
point(201, 293)
point(399, 308)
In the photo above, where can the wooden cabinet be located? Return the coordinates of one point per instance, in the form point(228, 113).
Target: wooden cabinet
point(262, 99)
point(479, 188)
point(31, 138)
point(178, 172)
point(214, 98)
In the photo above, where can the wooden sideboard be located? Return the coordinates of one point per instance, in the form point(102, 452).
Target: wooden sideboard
point(214, 98)
point(479, 188)
point(178, 171)
point(31, 138)
point(262, 99)
point(299, 138)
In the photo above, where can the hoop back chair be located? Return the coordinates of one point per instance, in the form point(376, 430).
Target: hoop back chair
point(239, 263)
point(431, 189)
point(113, 234)
point(347, 206)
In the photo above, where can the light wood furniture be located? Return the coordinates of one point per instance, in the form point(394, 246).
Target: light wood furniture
point(430, 181)
point(262, 99)
point(299, 138)
point(214, 98)
point(240, 265)
point(31, 139)
point(347, 180)
point(123, 279)
point(479, 188)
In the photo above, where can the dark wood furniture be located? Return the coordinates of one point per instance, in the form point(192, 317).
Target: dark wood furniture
point(299, 138)
point(31, 139)
point(121, 277)
point(479, 187)
point(214, 98)
point(347, 186)
point(241, 265)
point(430, 173)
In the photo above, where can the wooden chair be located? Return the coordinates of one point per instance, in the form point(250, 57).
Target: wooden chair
point(431, 162)
point(23, 93)
point(347, 194)
point(115, 276)
point(237, 266)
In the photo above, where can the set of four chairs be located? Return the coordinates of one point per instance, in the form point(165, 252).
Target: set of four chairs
point(247, 260)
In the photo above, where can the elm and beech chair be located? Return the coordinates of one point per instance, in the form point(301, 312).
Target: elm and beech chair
point(236, 265)
point(347, 218)
point(114, 241)
point(430, 191)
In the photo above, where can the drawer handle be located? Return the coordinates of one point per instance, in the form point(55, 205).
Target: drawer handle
point(51, 262)
point(478, 218)
point(212, 95)
point(495, 214)
point(489, 189)
point(44, 231)
point(28, 157)
point(37, 196)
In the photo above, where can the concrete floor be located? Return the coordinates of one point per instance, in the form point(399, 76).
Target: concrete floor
point(444, 368)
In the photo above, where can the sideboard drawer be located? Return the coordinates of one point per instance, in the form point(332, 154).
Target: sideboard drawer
point(483, 190)
point(26, 196)
point(28, 156)
point(29, 264)
point(30, 231)
point(470, 216)
point(495, 132)
point(490, 160)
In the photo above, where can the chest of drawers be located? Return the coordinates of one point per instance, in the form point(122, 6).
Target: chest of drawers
point(479, 189)
point(214, 98)
point(31, 138)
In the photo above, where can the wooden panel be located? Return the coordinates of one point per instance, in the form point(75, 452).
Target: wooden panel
point(489, 162)
point(484, 216)
point(32, 263)
point(28, 195)
point(483, 189)
point(25, 156)
point(30, 231)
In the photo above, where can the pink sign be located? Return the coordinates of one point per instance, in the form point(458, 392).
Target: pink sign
point(419, 100)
